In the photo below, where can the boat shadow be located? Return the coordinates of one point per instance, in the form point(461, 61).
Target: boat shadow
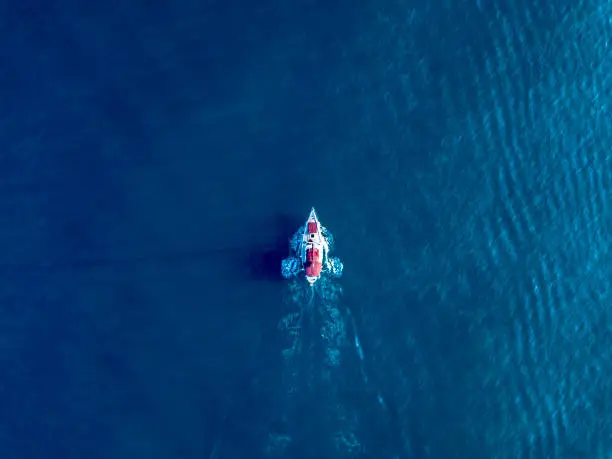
point(264, 263)
point(260, 263)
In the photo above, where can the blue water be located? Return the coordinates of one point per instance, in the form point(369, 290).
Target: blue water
point(155, 160)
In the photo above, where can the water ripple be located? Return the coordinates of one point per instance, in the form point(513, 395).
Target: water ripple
point(520, 193)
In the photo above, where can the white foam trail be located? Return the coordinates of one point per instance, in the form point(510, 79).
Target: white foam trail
point(358, 345)
point(214, 454)
point(357, 342)
point(358, 348)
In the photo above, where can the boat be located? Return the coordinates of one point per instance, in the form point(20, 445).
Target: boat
point(309, 253)
point(314, 248)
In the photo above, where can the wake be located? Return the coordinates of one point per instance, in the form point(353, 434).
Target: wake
point(315, 329)
point(317, 306)
point(325, 359)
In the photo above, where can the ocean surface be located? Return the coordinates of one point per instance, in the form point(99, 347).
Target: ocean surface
point(156, 158)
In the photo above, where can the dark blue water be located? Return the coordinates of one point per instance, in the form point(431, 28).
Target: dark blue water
point(155, 160)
